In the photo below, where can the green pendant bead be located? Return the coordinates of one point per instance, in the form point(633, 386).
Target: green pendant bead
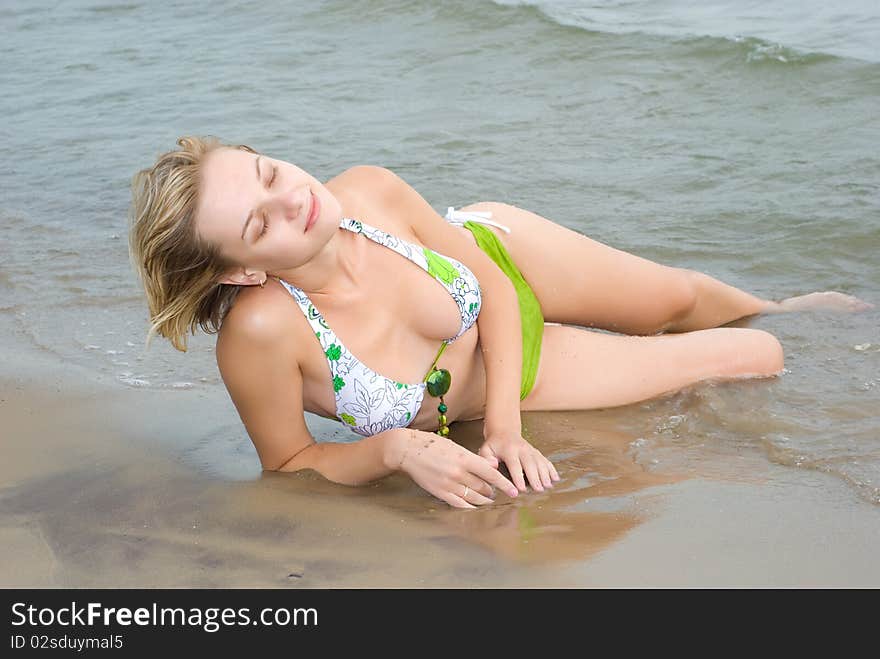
point(438, 382)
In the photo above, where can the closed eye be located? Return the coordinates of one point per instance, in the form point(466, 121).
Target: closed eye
point(265, 217)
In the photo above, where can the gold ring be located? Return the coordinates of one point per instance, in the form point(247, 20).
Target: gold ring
point(466, 490)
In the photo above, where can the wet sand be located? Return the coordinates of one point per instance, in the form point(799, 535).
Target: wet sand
point(103, 485)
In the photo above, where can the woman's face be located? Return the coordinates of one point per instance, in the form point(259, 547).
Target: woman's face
point(255, 208)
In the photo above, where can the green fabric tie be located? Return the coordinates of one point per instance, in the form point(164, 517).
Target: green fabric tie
point(531, 317)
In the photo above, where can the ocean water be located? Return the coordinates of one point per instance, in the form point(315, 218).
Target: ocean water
point(741, 139)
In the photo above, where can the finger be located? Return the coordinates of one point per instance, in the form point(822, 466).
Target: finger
point(516, 471)
point(553, 471)
point(544, 471)
point(531, 468)
point(475, 484)
point(549, 466)
point(456, 501)
point(491, 475)
point(544, 467)
point(486, 453)
point(474, 496)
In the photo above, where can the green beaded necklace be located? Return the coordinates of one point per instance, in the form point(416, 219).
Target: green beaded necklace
point(438, 381)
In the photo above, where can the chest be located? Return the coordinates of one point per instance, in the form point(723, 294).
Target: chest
point(399, 297)
point(396, 317)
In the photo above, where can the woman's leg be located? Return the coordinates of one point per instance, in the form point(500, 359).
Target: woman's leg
point(584, 369)
point(580, 281)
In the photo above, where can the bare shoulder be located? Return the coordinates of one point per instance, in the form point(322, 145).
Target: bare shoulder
point(368, 186)
point(261, 316)
point(375, 193)
point(364, 178)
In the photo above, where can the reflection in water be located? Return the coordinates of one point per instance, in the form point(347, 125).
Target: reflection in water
point(586, 511)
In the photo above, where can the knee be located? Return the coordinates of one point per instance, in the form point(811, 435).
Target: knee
point(680, 295)
point(769, 354)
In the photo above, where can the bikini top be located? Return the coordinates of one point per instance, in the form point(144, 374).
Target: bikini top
point(366, 401)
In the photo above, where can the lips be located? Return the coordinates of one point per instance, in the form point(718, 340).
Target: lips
point(314, 210)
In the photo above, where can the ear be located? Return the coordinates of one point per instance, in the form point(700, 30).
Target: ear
point(242, 277)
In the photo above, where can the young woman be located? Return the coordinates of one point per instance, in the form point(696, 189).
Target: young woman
point(422, 320)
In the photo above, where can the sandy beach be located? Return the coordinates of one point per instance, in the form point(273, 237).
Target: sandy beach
point(99, 489)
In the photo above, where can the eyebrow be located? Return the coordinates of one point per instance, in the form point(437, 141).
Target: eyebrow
point(251, 214)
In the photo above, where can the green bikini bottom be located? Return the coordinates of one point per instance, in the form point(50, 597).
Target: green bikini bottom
point(529, 309)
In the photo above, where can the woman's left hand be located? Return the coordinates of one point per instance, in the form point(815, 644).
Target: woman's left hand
point(521, 459)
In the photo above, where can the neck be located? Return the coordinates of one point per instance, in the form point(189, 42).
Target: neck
point(332, 272)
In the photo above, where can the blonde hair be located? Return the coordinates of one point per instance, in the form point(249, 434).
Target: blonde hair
point(178, 269)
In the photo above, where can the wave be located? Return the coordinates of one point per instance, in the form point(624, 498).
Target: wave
point(781, 31)
point(859, 472)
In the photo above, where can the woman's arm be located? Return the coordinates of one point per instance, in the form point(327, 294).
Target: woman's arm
point(499, 325)
point(355, 463)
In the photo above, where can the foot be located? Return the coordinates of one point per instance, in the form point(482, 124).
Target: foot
point(821, 300)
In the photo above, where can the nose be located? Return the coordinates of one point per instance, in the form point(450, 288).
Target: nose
point(291, 202)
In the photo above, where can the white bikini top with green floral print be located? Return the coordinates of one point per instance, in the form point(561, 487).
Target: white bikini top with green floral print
point(368, 402)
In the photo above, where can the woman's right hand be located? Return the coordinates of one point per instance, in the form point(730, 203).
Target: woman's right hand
point(447, 470)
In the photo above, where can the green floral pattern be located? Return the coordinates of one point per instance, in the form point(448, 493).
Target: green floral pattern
point(367, 402)
point(439, 267)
